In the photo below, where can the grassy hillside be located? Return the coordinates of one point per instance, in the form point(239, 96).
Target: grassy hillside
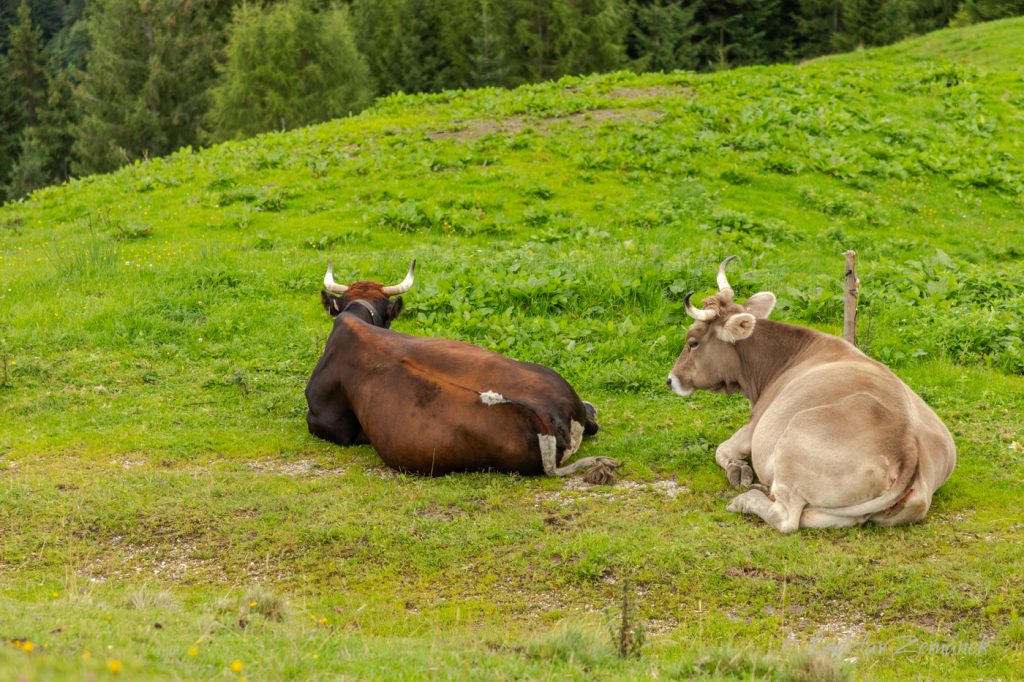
point(164, 512)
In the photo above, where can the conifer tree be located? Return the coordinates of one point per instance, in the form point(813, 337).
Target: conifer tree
point(30, 170)
point(530, 44)
point(488, 55)
point(70, 44)
point(736, 31)
point(924, 16)
point(589, 35)
point(24, 87)
point(664, 35)
point(144, 90)
point(10, 129)
point(57, 124)
point(287, 66)
point(458, 36)
point(376, 24)
point(400, 39)
point(817, 24)
point(781, 40)
point(46, 16)
point(26, 66)
point(419, 46)
point(988, 10)
point(43, 151)
point(869, 22)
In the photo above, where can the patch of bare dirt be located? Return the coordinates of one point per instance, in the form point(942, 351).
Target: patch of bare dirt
point(577, 489)
point(656, 627)
point(436, 512)
point(655, 92)
point(842, 632)
point(762, 574)
point(470, 130)
point(529, 605)
point(477, 128)
point(385, 472)
point(177, 562)
point(299, 467)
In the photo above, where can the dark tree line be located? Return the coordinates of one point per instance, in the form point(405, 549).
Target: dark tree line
point(89, 85)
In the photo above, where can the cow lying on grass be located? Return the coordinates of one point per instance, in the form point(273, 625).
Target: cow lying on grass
point(835, 438)
point(434, 406)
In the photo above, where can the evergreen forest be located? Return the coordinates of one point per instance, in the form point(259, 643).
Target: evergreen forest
point(91, 85)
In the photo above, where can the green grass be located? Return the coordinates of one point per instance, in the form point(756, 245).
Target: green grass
point(159, 490)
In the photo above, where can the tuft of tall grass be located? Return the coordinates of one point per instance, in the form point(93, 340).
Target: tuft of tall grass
point(93, 259)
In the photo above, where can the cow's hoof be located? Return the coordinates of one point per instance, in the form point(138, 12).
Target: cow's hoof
point(739, 473)
point(742, 504)
point(736, 506)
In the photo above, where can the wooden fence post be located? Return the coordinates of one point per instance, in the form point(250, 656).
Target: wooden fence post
point(851, 287)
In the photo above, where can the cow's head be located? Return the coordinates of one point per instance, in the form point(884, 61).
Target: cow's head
point(709, 359)
point(370, 301)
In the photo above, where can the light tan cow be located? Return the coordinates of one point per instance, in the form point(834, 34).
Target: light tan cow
point(835, 438)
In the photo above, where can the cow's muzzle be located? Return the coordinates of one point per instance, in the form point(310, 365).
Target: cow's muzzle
point(677, 386)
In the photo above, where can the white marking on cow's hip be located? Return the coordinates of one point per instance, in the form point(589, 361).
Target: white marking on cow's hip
point(575, 439)
point(548, 453)
point(549, 456)
point(492, 398)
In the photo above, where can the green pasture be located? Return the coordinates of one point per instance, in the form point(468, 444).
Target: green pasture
point(165, 513)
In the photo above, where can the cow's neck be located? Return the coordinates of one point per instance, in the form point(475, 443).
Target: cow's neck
point(364, 311)
point(773, 348)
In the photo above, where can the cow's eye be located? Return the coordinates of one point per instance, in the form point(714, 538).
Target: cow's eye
point(692, 343)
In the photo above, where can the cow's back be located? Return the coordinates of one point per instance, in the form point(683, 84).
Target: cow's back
point(891, 420)
point(434, 406)
point(436, 427)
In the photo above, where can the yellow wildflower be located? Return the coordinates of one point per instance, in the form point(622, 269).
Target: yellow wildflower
point(114, 666)
point(236, 666)
point(193, 651)
point(86, 655)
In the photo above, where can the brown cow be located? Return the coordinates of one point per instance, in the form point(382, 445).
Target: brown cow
point(835, 438)
point(434, 406)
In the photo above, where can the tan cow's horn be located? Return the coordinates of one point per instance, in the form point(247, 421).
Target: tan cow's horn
point(329, 282)
point(723, 281)
point(702, 315)
point(405, 284)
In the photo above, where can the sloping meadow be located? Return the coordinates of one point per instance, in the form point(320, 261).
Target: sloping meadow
point(157, 326)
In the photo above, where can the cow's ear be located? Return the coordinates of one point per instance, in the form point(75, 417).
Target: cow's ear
point(331, 304)
point(738, 327)
point(394, 308)
point(760, 304)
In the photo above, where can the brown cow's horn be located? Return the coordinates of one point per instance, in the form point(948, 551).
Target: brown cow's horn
point(405, 284)
point(702, 315)
point(723, 281)
point(329, 282)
